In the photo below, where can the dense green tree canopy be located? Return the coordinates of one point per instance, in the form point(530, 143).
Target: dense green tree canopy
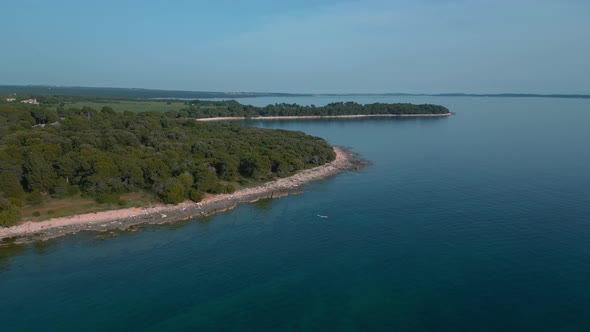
point(102, 153)
point(209, 109)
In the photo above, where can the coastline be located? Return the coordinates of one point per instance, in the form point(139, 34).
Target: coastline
point(304, 117)
point(29, 231)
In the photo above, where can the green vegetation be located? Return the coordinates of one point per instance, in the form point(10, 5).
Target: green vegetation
point(211, 109)
point(9, 213)
point(75, 154)
point(80, 153)
point(126, 105)
point(77, 204)
point(55, 102)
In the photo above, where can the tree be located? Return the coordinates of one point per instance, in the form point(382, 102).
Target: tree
point(43, 116)
point(248, 166)
point(187, 180)
point(9, 214)
point(130, 173)
point(62, 189)
point(107, 110)
point(38, 173)
point(10, 186)
point(226, 167)
point(35, 198)
point(205, 178)
point(173, 192)
point(106, 177)
point(253, 166)
point(196, 195)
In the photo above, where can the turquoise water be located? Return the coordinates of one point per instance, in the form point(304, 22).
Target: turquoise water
point(477, 222)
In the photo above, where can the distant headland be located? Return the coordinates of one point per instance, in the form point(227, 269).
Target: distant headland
point(138, 93)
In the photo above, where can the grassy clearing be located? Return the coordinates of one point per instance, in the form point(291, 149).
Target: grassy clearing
point(131, 105)
point(56, 208)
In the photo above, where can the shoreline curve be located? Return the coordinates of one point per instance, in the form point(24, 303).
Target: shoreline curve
point(303, 117)
point(29, 231)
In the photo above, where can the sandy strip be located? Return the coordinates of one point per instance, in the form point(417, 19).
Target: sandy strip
point(124, 218)
point(303, 117)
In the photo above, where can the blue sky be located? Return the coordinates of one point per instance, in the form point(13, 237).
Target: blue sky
point(540, 46)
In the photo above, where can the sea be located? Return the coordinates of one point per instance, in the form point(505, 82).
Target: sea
point(475, 222)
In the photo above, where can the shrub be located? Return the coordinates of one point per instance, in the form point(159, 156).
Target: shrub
point(36, 214)
point(186, 179)
point(217, 189)
point(60, 189)
point(73, 190)
point(50, 212)
point(63, 189)
point(107, 198)
point(10, 186)
point(35, 198)
point(196, 195)
point(229, 188)
point(173, 192)
point(16, 201)
point(9, 214)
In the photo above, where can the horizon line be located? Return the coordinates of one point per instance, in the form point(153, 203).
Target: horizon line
point(434, 94)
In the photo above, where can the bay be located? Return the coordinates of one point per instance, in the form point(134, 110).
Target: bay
point(475, 222)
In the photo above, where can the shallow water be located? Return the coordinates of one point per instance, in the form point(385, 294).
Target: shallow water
point(476, 222)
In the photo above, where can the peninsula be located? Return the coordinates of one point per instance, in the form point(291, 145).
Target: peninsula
point(165, 213)
point(66, 169)
point(231, 109)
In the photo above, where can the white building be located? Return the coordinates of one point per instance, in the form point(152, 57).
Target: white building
point(30, 101)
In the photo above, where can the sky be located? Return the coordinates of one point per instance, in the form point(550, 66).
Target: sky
point(303, 46)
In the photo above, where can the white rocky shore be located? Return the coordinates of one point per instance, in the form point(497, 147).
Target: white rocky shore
point(124, 218)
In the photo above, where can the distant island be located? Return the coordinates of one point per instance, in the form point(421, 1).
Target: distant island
point(232, 109)
point(135, 93)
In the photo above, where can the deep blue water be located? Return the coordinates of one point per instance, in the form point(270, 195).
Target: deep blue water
point(477, 222)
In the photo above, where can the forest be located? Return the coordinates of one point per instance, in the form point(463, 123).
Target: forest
point(101, 154)
point(210, 109)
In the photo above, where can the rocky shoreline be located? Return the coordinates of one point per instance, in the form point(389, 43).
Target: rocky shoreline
point(315, 117)
point(157, 214)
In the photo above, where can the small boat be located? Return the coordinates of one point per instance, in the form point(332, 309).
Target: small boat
point(319, 215)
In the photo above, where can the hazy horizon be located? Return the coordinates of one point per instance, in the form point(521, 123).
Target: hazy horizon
point(441, 93)
point(308, 47)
